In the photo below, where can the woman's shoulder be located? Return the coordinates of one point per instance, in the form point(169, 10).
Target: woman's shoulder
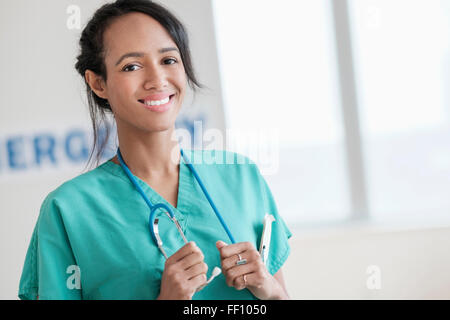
point(86, 183)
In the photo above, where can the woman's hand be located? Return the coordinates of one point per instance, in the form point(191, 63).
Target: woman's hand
point(252, 275)
point(183, 273)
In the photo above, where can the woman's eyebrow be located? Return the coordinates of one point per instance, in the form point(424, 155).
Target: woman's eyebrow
point(141, 54)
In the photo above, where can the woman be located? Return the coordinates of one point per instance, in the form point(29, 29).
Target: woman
point(92, 239)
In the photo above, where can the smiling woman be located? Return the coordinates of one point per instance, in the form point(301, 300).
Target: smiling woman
point(149, 68)
point(136, 64)
point(97, 51)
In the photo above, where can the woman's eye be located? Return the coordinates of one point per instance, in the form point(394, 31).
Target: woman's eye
point(127, 68)
point(170, 61)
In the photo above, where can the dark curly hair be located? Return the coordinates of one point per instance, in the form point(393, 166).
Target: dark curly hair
point(92, 55)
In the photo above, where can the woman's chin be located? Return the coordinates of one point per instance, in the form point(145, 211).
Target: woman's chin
point(160, 127)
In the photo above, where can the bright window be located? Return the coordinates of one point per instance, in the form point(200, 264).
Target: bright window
point(402, 59)
point(278, 69)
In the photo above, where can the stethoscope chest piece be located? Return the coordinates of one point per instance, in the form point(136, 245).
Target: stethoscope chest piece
point(157, 235)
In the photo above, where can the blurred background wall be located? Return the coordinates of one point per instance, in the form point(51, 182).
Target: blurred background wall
point(344, 105)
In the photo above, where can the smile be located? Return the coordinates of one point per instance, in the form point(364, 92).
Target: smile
point(157, 102)
point(160, 105)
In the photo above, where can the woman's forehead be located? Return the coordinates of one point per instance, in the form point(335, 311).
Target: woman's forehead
point(135, 32)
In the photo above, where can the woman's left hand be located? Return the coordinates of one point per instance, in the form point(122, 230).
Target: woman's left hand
point(252, 275)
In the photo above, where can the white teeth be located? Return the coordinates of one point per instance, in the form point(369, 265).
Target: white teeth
point(157, 102)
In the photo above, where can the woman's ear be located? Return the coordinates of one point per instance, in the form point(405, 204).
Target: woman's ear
point(96, 83)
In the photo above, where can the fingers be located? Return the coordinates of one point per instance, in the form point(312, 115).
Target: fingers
point(254, 270)
point(249, 255)
point(184, 272)
point(230, 254)
point(240, 283)
point(195, 270)
point(232, 274)
point(186, 250)
point(227, 251)
point(191, 260)
point(191, 256)
point(220, 244)
point(197, 281)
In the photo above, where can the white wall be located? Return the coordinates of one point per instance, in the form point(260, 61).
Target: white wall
point(331, 263)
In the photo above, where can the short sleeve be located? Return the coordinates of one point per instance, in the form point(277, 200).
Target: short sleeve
point(50, 268)
point(279, 246)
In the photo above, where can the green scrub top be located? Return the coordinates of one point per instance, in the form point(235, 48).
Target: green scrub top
point(92, 238)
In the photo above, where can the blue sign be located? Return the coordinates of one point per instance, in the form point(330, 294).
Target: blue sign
point(22, 152)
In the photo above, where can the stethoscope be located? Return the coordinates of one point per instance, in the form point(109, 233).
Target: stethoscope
point(153, 222)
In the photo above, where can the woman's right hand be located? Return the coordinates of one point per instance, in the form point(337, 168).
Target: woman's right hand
point(183, 273)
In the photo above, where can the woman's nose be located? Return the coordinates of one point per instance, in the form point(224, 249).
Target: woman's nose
point(156, 77)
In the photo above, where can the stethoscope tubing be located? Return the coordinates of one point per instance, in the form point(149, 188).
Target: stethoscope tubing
point(154, 208)
point(211, 202)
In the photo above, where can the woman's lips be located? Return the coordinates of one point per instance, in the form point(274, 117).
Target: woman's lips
point(158, 96)
point(158, 103)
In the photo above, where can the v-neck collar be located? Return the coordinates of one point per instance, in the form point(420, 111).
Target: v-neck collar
point(185, 184)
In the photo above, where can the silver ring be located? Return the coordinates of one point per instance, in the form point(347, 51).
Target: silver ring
point(241, 261)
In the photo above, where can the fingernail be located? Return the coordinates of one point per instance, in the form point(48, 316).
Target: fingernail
point(220, 243)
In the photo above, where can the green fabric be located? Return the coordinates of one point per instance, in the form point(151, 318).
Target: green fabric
point(99, 222)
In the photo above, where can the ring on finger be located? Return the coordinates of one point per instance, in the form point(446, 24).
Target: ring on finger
point(240, 260)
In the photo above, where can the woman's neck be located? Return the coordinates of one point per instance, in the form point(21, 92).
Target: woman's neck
point(152, 155)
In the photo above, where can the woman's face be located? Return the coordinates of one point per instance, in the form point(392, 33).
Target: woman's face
point(146, 80)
